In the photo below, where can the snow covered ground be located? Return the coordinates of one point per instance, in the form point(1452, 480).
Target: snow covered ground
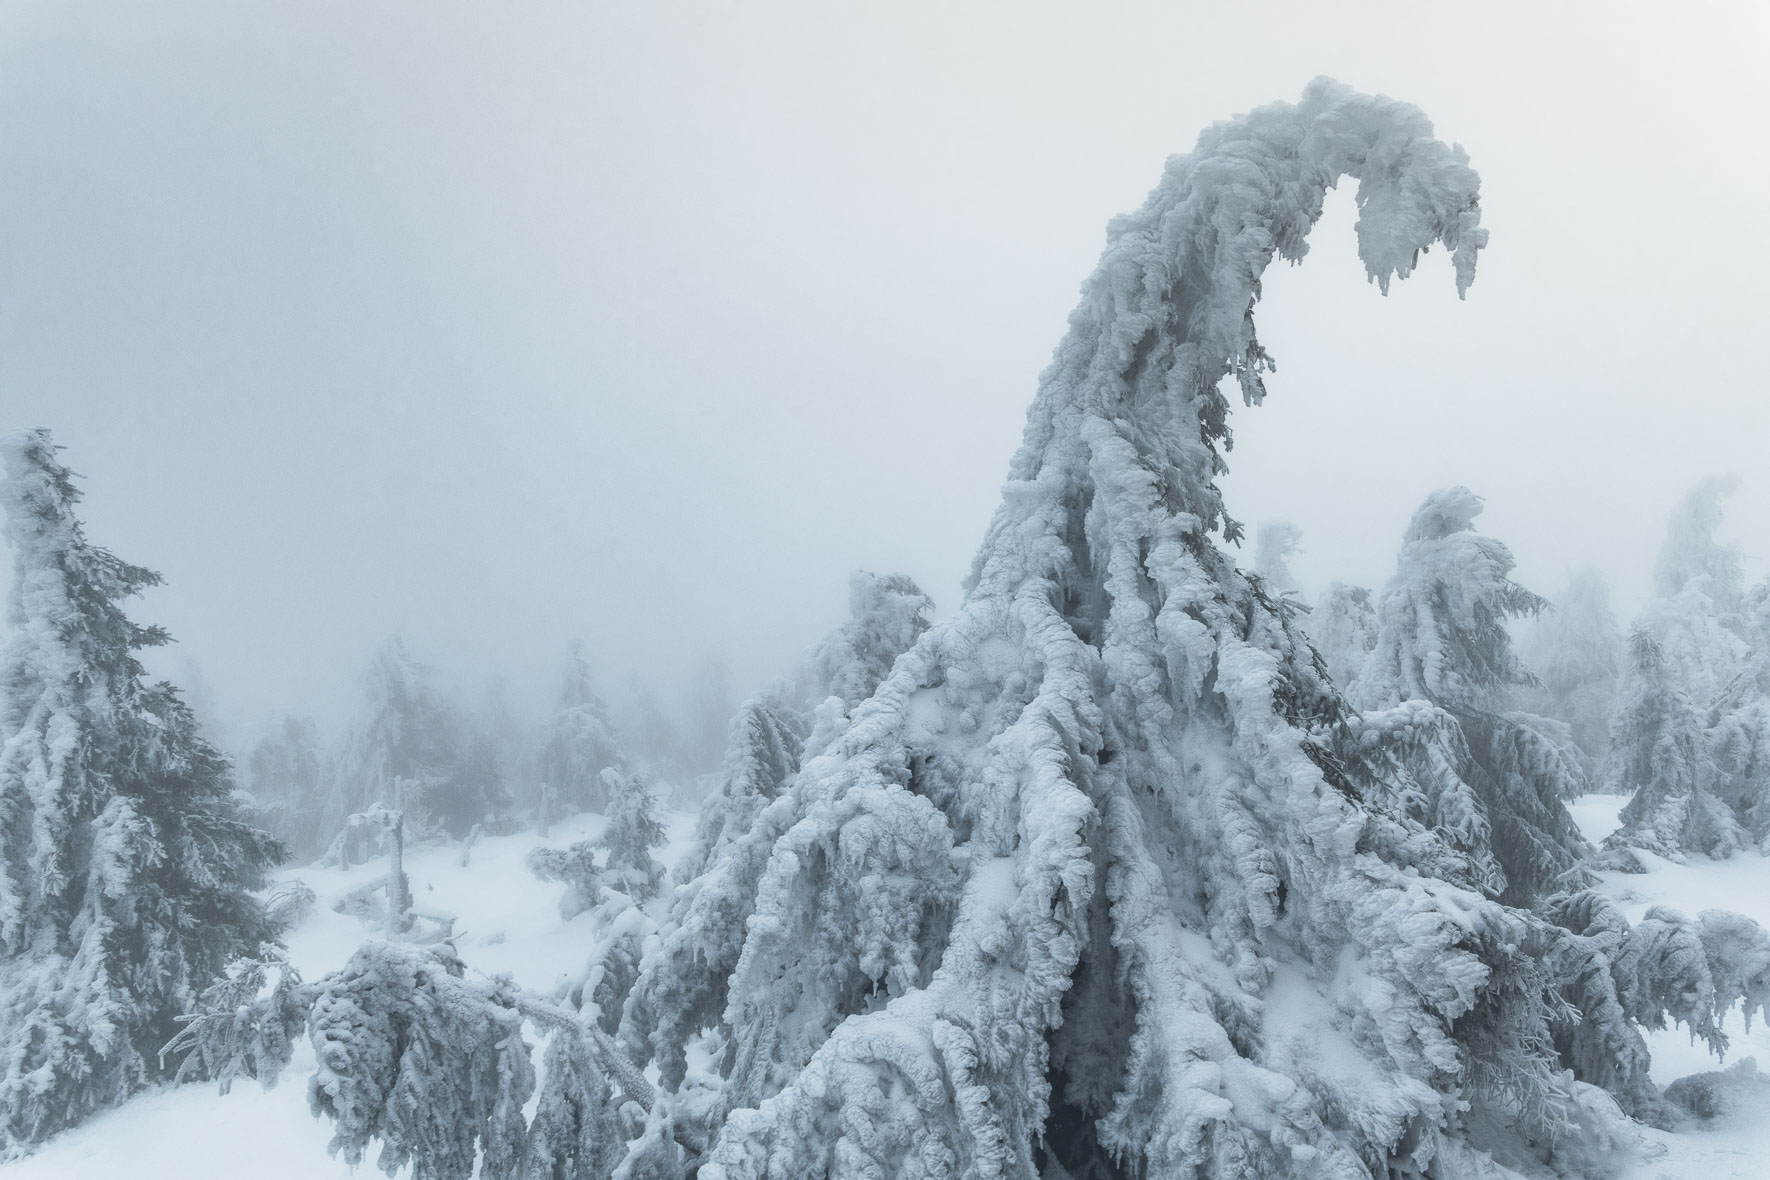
point(508, 921)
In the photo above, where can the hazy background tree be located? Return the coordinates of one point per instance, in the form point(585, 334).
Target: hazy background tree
point(1576, 652)
point(285, 779)
point(1343, 628)
point(1274, 542)
point(577, 743)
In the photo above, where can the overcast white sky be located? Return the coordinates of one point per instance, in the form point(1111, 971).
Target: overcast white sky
point(496, 324)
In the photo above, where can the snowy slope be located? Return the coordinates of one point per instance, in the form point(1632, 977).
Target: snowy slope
point(508, 922)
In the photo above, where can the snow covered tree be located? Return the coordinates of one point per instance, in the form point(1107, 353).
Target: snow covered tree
point(1661, 758)
point(577, 743)
point(1618, 979)
point(284, 776)
point(1442, 639)
point(1274, 542)
point(503, 745)
point(575, 867)
point(1576, 652)
point(1075, 890)
point(411, 733)
point(412, 1055)
point(474, 792)
point(126, 868)
point(1343, 628)
point(633, 831)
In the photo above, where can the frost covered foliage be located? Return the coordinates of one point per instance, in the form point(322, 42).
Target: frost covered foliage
point(244, 1026)
point(284, 776)
point(412, 749)
point(1343, 628)
point(409, 1052)
point(1665, 970)
point(125, 864)
point(1442, 639)
point(1274, 542)
point(1081, 888)
point(1576, 652)
point(433, 1066)
point(577, 744)
point(578, 1132)
point(1661, 758)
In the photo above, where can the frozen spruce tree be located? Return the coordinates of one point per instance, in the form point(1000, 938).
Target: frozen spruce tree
point(1576, 652)
point(577, 745)
point(1442, 639)
point(411, 735)
point(284, 776)
point(1661, 758)
point(1083, 888)
point(1343, 628)
point(633, 830)
point(125, 864)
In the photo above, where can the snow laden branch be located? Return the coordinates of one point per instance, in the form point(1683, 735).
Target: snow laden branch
point(432, 1064)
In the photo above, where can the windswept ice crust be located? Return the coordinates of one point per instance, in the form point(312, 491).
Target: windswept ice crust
point(1080, 884)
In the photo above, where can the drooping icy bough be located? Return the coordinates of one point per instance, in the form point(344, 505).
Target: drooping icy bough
point(1082, 889)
